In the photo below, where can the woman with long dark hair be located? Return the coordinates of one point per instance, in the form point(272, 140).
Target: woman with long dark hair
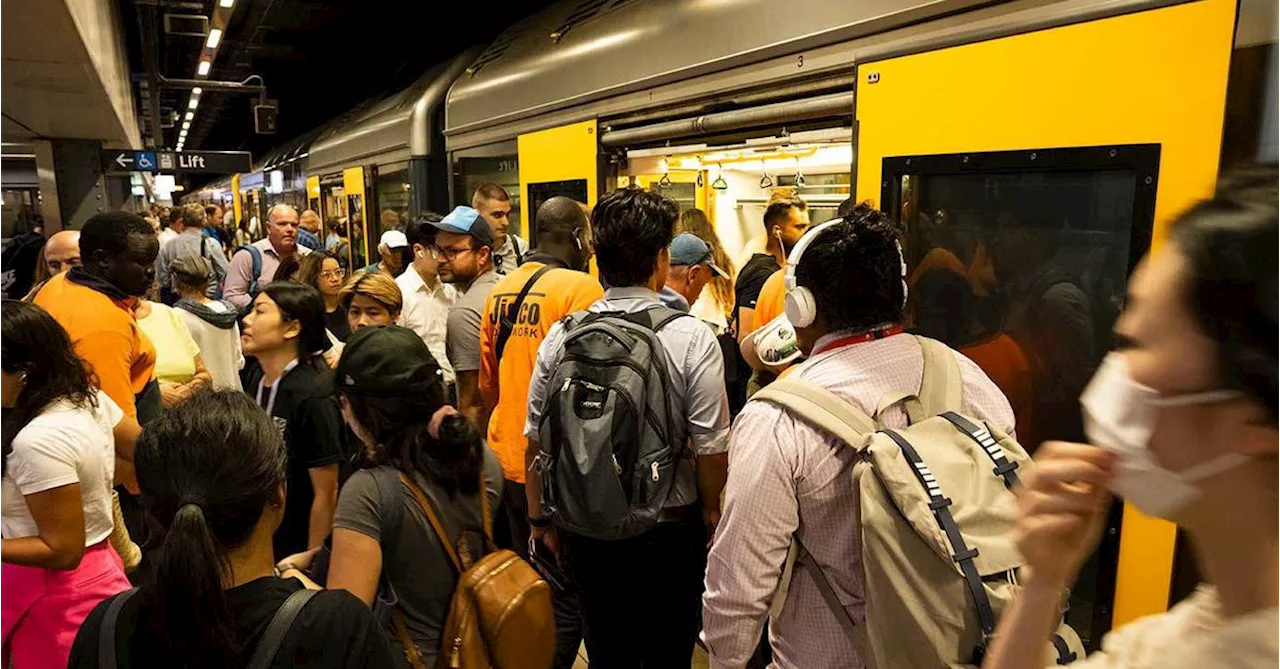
point(283, 340)
point(213, 472)
point(1182, 417)
point(392, 397)
point(61, 437)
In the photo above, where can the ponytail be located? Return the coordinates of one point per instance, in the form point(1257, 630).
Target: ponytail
point(209, 470)
point(189, 587)
point(454, 460)
point(400, 425)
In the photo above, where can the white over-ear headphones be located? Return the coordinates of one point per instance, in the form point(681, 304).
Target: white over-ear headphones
point(801, 309)
point(799, 305)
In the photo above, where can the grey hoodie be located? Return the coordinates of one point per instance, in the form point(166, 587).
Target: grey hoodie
point(219, 319)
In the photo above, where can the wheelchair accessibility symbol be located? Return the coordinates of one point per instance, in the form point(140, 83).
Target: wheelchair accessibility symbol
point(145, 161)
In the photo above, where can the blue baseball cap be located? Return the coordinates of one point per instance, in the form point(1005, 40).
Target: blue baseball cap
point(467, 221)
point(688, 249)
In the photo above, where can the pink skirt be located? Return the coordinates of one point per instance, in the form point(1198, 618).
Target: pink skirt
point(41, 609)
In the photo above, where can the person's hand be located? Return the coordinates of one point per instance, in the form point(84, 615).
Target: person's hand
point(300, 561)
point(549, 538)
point(1062, 507)
point(711, 518)
point(170, 394)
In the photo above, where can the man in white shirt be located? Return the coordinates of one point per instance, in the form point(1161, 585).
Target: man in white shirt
point(426, 298)
point(172, 227)
point(494, 204)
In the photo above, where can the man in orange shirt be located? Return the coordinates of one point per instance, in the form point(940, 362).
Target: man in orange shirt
point(93, 303)
point(551, 284)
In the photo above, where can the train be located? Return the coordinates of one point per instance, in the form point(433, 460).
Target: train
point(1099, 120)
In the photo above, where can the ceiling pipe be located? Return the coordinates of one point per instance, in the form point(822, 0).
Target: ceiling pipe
point(827, 106)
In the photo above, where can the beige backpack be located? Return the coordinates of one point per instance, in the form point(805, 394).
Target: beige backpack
point(938, 562)
point(500, 615)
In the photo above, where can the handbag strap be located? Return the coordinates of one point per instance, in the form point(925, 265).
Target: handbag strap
point(411, 652)
point(278, 629)
point(507, 317)
point(107, 633)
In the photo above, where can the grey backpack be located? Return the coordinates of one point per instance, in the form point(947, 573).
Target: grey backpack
point(609, 441)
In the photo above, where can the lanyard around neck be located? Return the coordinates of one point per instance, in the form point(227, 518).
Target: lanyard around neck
point(850, 340)
point(275, 387)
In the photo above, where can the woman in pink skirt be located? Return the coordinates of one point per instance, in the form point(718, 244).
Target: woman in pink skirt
point(61, 439)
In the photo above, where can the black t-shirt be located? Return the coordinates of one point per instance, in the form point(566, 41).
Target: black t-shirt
point(311, 422)
point(334, 631)
point(336, 321)
point(746, 290)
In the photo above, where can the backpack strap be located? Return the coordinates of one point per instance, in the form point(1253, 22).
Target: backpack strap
point(434, 520)
point(819, 406)
point(107, 632)
point(940, 382)
point(255, 256)
point(1004, 468)
point(507, 317)
point(278, 628)
point(856, 633)
point(961, 553)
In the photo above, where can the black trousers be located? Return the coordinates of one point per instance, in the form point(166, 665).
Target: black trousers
point(641, 597)
point(512, 531)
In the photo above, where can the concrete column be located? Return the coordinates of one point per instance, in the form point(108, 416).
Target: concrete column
point(82, 190)
point(47, 178)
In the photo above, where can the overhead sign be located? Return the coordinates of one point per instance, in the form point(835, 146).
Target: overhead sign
point(218, 162)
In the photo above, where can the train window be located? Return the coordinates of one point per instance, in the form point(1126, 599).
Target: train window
point(392, 183)
point(498, 164)
point(574, 189)
point(1019, 260)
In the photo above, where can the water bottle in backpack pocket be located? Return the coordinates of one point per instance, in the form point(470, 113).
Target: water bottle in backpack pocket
point(609, 442)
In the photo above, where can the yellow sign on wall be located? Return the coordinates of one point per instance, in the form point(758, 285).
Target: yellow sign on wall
point(1153, 77)
point(313, 188)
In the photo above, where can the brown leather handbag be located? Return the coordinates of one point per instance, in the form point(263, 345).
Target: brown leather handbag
point(500, 616)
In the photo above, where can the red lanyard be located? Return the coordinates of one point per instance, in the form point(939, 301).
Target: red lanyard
point(850, 340)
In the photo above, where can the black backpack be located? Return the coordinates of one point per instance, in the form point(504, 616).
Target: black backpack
point(263, 655)
point(610, 442)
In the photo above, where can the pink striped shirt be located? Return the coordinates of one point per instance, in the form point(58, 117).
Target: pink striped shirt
point(787, 477)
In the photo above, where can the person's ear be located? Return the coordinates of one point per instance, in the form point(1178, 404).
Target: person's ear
point(292, 329)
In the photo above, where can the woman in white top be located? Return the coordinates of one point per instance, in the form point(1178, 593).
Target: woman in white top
point(1183, 419)
point(212, 323)
point(61, 440)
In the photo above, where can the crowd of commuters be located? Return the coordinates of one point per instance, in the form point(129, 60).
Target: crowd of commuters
point(265, 442)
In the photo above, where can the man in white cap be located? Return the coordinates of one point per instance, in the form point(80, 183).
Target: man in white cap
point(692, 268)
point(395, 254)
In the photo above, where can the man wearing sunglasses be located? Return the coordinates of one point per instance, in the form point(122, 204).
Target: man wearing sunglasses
point(464, 253)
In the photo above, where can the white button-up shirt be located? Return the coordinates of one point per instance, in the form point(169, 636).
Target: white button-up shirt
point(426, 312)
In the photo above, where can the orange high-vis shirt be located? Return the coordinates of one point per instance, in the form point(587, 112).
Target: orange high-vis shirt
point(105, 335)
point(557, 294)
point(772, 300)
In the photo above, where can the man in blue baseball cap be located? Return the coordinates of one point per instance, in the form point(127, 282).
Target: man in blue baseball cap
point(464, 251)
point(692, 267)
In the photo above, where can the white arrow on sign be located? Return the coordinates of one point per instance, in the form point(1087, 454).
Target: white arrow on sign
point(124, 160)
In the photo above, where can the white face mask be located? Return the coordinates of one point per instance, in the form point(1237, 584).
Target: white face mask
point(1120, 416)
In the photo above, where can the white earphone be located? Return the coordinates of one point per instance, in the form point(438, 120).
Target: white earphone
point(800, 307)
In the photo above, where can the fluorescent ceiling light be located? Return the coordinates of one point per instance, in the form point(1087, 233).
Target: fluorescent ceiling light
point(203, 68)
point(186, 125)
point(215, 36)
point(195, 102)
point(197, 90)
point(190, 115)
point(226, 3)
